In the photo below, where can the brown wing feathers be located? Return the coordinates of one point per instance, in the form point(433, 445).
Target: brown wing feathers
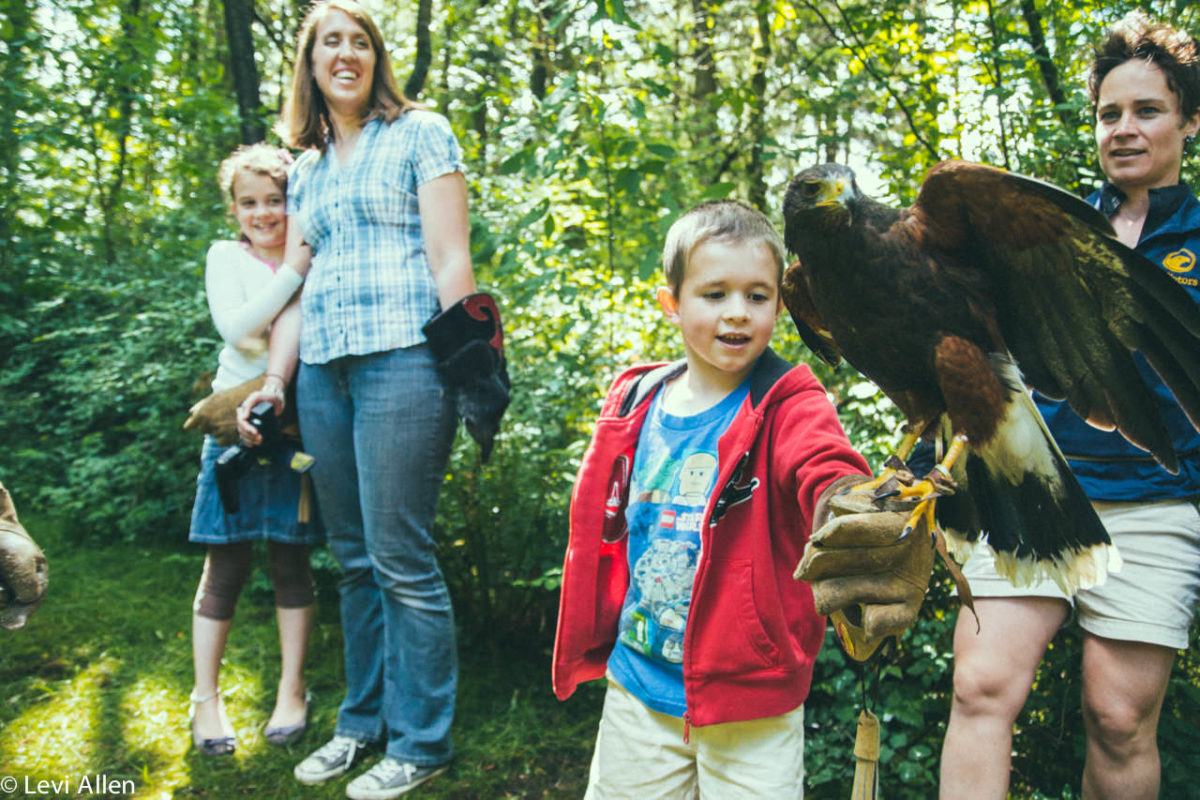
point(804, 315)
point(1155, 289)
point(1172, 353)
point(1072, 299)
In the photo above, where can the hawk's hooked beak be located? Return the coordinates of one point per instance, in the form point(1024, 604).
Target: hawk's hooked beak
point(834, 192)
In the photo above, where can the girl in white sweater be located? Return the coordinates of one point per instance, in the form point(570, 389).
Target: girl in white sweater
point(249, 283)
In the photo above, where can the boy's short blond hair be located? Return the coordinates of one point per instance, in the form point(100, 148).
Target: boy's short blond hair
point(728, 221)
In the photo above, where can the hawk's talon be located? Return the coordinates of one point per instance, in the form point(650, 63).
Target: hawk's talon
point(892, 479)
point(889, 488)
point(918, 514)
point(925, 492)
point(869, 487)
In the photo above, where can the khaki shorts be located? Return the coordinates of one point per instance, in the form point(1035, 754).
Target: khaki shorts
point(641, 754)
point(1151, 600)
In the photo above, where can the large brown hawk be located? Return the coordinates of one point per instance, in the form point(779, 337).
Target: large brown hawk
point(988, 283)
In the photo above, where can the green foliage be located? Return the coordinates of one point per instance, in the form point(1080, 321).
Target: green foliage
point(587, 126)
point(99, 442)
point(98, 682)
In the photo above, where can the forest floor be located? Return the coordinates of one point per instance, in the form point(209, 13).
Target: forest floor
point(95, 690)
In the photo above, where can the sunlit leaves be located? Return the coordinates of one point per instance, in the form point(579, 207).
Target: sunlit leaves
point(534, 214)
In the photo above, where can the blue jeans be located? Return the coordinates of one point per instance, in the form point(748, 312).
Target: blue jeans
point(380, 427)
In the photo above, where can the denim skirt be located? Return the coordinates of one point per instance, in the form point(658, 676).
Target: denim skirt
point(268, 499)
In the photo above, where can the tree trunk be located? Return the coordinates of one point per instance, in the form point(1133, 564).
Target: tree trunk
point(1037, 42)
point(706, 69)
point(539, 78)
point(758, 103)
point(238, 16)
point(829, 135)
point(110, 196)
point(416, 81)
point(998, 78)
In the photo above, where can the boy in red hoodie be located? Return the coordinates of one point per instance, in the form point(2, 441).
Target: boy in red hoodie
point(692, 506)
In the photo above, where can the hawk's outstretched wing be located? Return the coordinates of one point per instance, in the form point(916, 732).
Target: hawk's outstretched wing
point(1071, 300)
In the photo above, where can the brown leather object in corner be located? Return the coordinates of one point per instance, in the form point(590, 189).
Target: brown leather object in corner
point(23, 571)
point(216, 415)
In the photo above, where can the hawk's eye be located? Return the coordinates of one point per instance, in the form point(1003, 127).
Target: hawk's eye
point(811, 188)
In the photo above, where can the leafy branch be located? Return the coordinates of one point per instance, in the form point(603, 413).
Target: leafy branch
point(861, 48)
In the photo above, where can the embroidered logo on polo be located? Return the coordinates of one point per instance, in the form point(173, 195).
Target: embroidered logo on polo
point(1181, 260)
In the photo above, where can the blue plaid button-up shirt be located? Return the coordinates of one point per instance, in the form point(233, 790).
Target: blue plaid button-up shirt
point(370, 288)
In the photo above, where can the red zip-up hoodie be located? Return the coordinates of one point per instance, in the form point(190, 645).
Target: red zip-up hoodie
point(752, 633)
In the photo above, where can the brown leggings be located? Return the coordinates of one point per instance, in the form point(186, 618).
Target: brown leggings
point(227, 567)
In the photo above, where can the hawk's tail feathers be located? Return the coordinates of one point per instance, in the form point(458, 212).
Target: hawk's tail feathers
point(1077, 569)
point(1031, 509)
point(960, 545)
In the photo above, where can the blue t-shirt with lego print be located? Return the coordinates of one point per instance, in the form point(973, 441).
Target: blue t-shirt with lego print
point(674, 474)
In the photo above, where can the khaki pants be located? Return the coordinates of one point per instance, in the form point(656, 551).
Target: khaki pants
point(640, 755)
point(1151, 600)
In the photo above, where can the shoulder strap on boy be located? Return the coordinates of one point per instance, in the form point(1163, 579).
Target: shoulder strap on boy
point(645, 385)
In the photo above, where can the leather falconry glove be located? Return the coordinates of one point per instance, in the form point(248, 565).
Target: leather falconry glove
point(216, 414)
point(864, 576)
point(468, 342)
point(23, 571)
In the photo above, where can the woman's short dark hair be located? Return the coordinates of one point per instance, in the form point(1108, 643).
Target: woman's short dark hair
point(305, 119)
point(1138, 37)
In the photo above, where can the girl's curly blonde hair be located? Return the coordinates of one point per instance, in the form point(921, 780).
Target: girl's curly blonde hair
point(258, 159)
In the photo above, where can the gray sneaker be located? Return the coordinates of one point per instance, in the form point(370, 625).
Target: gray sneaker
point(390, 778)
point(329, 760)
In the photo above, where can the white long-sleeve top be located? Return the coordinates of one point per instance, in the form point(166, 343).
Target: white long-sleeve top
point(244, 296)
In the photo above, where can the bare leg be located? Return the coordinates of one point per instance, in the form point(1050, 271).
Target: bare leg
point(993, 671)
point(208, 647)
point(1123, 688)
point(294, 626)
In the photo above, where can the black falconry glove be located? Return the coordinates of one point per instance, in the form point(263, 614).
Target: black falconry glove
point(468, 342)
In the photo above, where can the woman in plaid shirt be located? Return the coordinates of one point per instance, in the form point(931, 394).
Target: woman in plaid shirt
point(380, 196)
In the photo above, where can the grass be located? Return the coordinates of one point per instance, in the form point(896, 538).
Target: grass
point(97, 683)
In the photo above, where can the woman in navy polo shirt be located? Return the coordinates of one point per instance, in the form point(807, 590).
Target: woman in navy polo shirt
point(1145, 90)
